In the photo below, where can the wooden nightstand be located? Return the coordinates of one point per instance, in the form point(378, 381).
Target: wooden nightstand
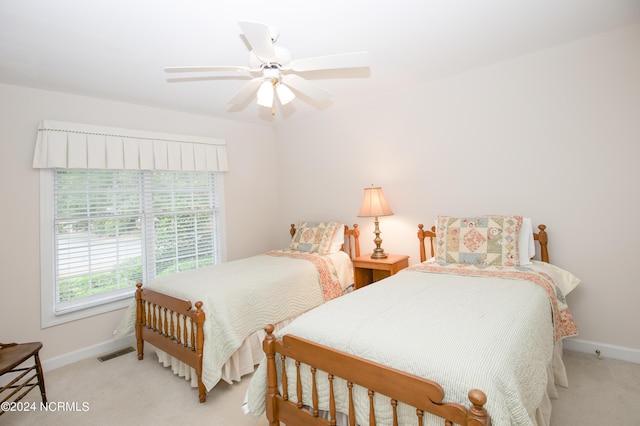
point(367, 270)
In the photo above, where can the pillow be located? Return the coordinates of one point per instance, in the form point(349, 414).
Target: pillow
point(314, 237)
point(565, 280)
point(479, 240)
point(526, 243)
point(338, 239)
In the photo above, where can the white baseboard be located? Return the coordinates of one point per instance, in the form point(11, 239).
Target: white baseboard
point(606, 351)
point(91, 351)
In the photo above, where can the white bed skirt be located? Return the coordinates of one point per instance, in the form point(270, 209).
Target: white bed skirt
point(241, 363)
point(556, 375)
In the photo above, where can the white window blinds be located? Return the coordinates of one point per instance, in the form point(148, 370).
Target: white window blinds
point(113, 229)
point(98, 237)
point(81, 146)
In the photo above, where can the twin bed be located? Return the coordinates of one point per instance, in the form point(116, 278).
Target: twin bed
point(479, 325)
point(219, 336)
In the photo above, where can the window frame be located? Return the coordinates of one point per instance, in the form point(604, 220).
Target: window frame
point(49, 317)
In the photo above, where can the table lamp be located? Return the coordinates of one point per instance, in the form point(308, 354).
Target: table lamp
point(375, 205)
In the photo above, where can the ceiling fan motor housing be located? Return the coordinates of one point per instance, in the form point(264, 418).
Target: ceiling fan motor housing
point(281, 60)
point(271, 72)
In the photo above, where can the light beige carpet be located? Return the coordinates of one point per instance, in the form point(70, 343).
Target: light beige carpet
point(125, 391)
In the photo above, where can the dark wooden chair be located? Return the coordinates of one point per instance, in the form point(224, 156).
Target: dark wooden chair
point(22, 379)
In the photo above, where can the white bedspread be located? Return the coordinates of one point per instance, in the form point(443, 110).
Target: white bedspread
point(242, 296)
point(463, 332)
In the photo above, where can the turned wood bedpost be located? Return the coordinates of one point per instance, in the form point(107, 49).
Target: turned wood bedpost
point(423, 255)
point(292, 231)
point(543, 239)
point(268, 345)
point(139, 321)
point(477, 414)
point(356, 238)
point(199, 347)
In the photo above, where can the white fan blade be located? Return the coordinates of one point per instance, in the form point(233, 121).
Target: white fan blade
point(306, 88)
point(259, 38)
point(207, 68)
point(344, 60)
point(205, 78)
point(245, 91)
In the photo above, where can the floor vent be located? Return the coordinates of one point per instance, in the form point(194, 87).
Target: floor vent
point(115, 354)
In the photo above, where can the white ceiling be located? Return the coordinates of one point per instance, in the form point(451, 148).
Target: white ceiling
point(117, 49)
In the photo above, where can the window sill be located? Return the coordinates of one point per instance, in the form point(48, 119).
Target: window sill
point(50, 318)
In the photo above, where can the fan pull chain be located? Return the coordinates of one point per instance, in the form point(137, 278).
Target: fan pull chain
point(273, 105)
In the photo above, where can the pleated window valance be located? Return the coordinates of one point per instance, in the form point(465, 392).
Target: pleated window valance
point(80, 146)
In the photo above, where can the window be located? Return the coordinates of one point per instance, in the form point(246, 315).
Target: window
point(103, 231)
point(119, 206)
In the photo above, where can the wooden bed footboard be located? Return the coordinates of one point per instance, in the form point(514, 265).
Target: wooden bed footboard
point(172, 325)
point(425, 395)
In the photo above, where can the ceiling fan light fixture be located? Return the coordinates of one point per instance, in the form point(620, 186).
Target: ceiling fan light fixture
point(274, 73)
point(285, 95)
point(266, 94)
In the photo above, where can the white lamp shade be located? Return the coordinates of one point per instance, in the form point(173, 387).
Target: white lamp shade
point(265, 94)
point(284, 94)
point(374, 204)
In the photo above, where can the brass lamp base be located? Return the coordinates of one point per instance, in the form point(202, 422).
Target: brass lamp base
point(378, 252)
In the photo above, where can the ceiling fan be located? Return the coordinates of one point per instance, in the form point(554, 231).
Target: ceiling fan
point(276, 71)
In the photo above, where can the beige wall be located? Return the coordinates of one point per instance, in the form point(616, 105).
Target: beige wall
point(554, 136)
point(250, 182)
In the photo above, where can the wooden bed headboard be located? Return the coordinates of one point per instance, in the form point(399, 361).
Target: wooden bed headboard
point(540, 237)
point(352, 238)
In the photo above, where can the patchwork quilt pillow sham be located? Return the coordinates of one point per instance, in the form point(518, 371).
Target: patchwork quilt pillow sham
point(314, 237)
point(478, 240)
